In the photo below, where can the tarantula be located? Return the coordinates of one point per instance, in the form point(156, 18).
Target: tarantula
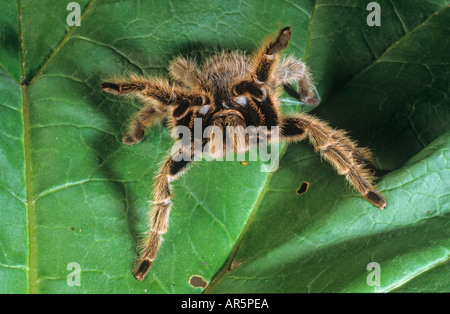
point(232, 89)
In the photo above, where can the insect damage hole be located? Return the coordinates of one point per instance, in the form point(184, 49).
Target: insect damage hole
point(303, 188)
point(198, 282)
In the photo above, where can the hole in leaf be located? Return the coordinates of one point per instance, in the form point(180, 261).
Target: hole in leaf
point(198, 282)
point(303, 188)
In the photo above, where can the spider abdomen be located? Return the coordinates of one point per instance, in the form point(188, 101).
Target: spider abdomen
point(224, 69)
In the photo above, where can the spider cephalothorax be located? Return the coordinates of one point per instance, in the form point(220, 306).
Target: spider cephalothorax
point(234, 91)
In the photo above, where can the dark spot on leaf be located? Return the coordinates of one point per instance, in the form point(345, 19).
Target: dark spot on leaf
point(72, 228)
point(303, 188)
point(198, 282)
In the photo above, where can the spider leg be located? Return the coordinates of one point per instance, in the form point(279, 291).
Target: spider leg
point(158, 90)
point(267, 113)
point(339, 150)
point(266, 57)
point(263, 64)
point(159, 216)
point(292, 70)
point(161, 95)
point(185, 73)
point(143, 119)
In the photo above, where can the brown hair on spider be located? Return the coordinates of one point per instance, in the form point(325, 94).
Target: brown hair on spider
point(232, 89)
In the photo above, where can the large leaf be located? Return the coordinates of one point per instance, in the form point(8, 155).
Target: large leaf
point(71, 192)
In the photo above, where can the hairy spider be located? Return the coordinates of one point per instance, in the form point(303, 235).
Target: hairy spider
point(232, 90)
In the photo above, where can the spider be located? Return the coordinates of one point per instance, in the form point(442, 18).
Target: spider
point(232, 89)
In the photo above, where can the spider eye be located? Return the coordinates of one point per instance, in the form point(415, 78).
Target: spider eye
point(241, 100)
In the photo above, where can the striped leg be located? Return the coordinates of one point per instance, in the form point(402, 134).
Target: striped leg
point(339, 150)
point(157, 94)
point(159, 215)
point(292, 70)
point(263, 61)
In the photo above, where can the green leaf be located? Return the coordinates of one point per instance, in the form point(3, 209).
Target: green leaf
point(71, 192)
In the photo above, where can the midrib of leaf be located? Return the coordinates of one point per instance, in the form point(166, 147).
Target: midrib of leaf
point(30, 202)
point(32, 270)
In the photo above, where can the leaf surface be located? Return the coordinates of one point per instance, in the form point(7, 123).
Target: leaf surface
point(72, 193)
